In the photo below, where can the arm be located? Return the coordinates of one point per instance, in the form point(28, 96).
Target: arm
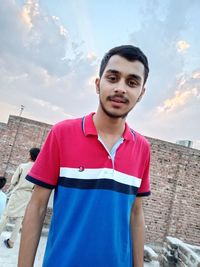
point(32, 226)
point(138, 232)
point(15, 179)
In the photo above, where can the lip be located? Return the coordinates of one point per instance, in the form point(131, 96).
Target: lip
point(118, 99)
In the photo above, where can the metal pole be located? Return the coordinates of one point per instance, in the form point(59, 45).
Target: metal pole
point(15, 137)
point(21, 110)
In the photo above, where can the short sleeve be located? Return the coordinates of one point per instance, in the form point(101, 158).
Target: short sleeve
point(145, 189)
point(45, 171)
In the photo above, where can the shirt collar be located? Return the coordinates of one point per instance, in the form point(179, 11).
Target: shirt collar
point(88, 125)
point(129, 134)
point(89, 128)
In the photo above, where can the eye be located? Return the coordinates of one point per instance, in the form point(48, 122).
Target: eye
point(112, 78)
point(132, 83)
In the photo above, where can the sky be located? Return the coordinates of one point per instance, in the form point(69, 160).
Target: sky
point(50, 53)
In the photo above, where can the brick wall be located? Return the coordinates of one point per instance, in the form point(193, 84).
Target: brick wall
point(174, 206)
point(16, 138)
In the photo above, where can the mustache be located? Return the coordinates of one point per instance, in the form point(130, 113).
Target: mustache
point(118, 97)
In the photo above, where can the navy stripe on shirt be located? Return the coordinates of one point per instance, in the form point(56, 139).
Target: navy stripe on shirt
point(98, 184)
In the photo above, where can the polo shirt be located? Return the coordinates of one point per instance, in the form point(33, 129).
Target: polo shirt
point(94, 194)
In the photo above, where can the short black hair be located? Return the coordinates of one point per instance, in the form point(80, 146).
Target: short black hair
point(129, 52)
point(34, 151)
point(2, 181)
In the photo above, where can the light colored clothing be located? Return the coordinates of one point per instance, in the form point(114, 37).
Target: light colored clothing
point(2, 202)
point(18, 222)
point(21, 191)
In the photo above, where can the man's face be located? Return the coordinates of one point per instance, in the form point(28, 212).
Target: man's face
point(120, 87)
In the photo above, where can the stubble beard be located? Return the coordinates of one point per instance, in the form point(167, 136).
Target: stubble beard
point(113, 115)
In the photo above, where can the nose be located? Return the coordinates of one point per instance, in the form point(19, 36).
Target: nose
point(120, 87)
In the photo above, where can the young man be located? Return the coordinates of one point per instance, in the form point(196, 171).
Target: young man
point(99, 168)
point(19, 192)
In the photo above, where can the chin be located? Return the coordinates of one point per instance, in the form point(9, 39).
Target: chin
point(115, 115)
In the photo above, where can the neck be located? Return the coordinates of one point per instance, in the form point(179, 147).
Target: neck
point(107, 125)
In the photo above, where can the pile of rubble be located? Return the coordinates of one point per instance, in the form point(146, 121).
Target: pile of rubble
point(179, 254)
point(151, 258)
point(174, 253)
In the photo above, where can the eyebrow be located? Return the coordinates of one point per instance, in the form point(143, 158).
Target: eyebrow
point(133, 76)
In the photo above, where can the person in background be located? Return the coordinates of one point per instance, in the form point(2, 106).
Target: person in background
point(99, 168)
point(19, 194)
point(3, 196)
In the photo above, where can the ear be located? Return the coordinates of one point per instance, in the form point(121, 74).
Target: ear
point(97, 83)
point(141, 94)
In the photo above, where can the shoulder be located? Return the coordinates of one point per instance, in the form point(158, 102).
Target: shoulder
point(140, 139)
point(24, 165)
point(67, 127)
point(66, 124)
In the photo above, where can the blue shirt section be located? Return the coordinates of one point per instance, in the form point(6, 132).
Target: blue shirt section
point(99, 241)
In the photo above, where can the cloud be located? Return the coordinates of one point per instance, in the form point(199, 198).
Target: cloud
point(51, 108)
point(83, 23)
point(33, 36)
point(170, 108)
point(177, 117)
point(63, 31)
point(158, 36)
point(179, 99)
point(29, 11)
point(91, 56)
point(43, 68)
point(196, 75)
point(182, 46)
point(188, 89)
point(40, 67)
